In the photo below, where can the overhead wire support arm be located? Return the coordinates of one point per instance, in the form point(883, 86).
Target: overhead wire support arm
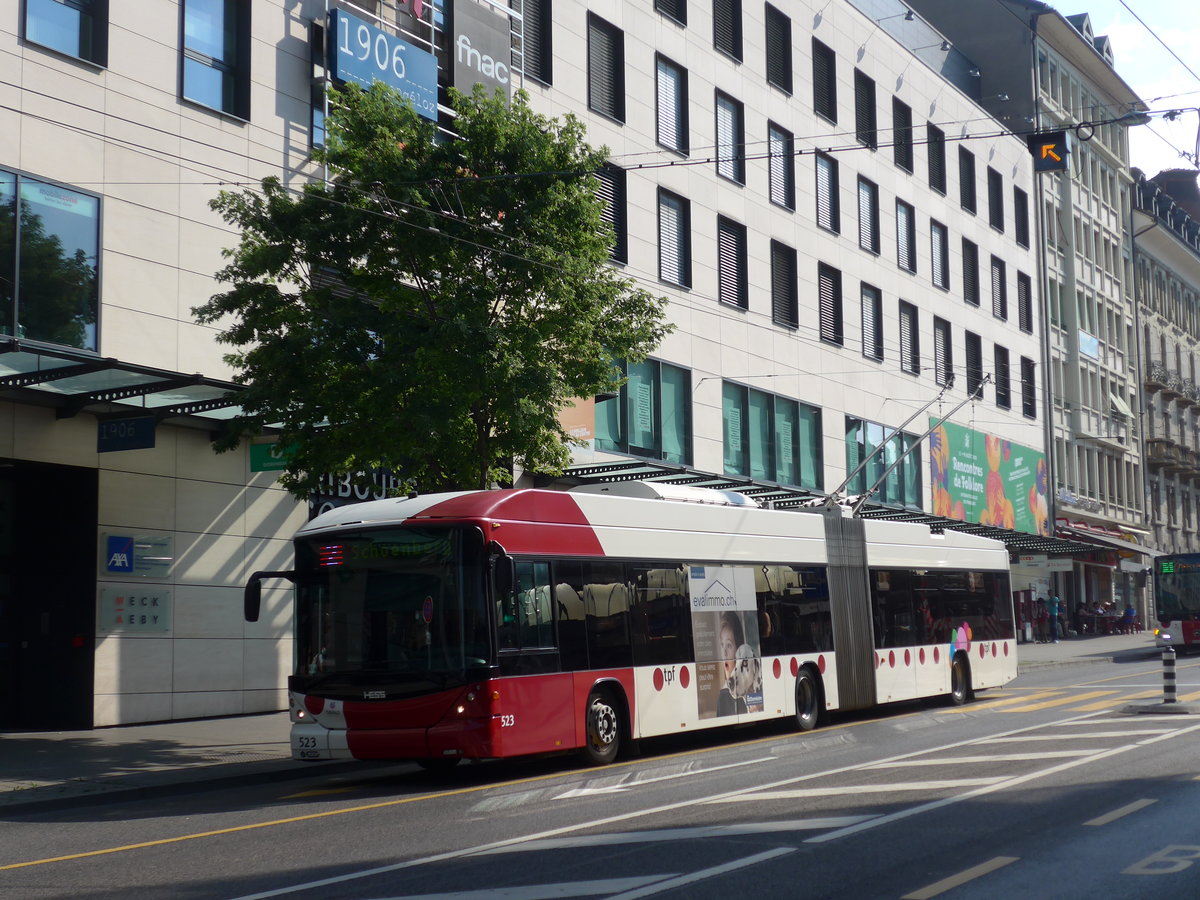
point(865, 495)
point(837, 492)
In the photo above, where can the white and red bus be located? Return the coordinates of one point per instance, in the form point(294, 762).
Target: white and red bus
point(1177, 600)
point(497, 623)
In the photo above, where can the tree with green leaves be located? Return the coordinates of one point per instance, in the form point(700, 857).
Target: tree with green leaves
point(433, 305)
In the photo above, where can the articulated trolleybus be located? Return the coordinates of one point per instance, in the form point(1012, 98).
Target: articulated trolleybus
point(497, 623)
point(1177, 600)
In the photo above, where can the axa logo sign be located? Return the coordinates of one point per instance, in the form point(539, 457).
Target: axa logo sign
point(118, 554)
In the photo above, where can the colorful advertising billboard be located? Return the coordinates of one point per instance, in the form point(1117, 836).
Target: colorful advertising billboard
point(978, 477)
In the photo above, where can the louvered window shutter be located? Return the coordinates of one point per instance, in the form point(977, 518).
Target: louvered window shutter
point(974, 363)
point(781, 168)
point(779, 49)
point(670, 107)
point(970, 272)
point(731, 263)
point(824, 83)
point(999, 294)
point(904, 237)
point(872, 324)
point(909, 358)
point(938, 251)
point(783, 285)
point(827, 205)
point(535, 46)
point(829, 296)
point(727, 26)
point(868, 216)
point(1025, 302)
point(604, 69)
point(941, 351)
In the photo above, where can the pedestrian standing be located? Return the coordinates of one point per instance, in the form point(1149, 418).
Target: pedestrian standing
point(1041, 621)
point(1052, 608)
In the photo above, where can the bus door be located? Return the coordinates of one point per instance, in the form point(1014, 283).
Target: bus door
point(536, 695)
point(900, 623)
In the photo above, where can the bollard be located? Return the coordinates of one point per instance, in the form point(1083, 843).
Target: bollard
point(1168, 674)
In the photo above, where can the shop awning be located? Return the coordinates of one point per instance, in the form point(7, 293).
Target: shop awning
point(1092, 537)
point(73, 382)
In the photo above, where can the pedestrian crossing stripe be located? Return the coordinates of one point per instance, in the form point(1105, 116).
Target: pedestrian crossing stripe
point(1060, 701)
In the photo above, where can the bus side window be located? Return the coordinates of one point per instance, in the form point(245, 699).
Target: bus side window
point(534, 619)
point(606, 603)
point(571, 615)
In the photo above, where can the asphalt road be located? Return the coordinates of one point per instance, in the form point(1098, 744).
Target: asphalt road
point(1044, 789)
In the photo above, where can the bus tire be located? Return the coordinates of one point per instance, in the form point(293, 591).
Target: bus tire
point(602, 728)
point(960, 680)
point(808, 700)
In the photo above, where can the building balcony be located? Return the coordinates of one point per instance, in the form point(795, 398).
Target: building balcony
point(1163, 454)
point(1189, 393)
point(1160, 378)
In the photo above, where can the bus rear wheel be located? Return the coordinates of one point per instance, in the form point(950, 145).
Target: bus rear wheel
point(808, 700)
point(602, 726)
point(960, 681)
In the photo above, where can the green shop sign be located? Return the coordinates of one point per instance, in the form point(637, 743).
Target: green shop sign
point(978, 477)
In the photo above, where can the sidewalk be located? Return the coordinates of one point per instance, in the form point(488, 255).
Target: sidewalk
point(40, 767)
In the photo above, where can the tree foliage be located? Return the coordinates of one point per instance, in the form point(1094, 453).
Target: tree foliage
point(432, 306)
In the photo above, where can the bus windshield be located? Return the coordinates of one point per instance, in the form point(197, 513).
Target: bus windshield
point(391, 606)
point(1177, 587)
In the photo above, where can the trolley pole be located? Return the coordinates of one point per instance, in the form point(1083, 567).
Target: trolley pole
point(1168, 659)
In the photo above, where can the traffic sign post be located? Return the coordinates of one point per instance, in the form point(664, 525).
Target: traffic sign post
point(1051, 150)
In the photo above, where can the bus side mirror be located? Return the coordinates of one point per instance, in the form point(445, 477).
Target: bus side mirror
point(252, 596)
point(504, 572)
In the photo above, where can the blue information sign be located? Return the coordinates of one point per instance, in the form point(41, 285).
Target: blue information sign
point(125, 434)
point(364, 54)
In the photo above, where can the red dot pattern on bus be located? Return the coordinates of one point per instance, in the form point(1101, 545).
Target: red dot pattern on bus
point(685, 677)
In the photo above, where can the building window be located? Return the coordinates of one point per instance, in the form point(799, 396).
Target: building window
point(1025, 302)
point(872, 322)
point(216, 55)
point(779, 49)
point(906, 236)
point(995, 182)
point(537, 46)
point(868, 215)
point(943, 353)
point(727, 27)
point(784, 302)
point(612, 192)
point(674, 239)
point(606, 68)
point(671, 118)
point(999, 289)
point(781, 171)
point(974, 363)
point(966, 180)
point(1028, 393)
point(1003, 385)
point(970, 258)
point(732, 281)
point(901, 453)
point(731, 139)
point(824, 81)
point(1021, 216)
point(49, 257)
point(902, 135)
point(829, 214)
point(866, 124)
point(673, 9)
point(935, 146)
point(910, 340)
point(939, 241)
point(770, 437)
point(652, 417)
point(829, 304)
point(76, 28)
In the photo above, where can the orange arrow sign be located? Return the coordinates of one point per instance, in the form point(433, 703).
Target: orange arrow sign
point(1048, 150)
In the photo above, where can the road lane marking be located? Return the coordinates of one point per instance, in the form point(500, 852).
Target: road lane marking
point(690, 833)
point(948, 884)
point(624, 782)
point(543, 891)
point(999, 757)
point(1108, 704)
point(1075, 737)
point(996, 704)
point(1121, 812)
point(837, 791)
point(1059, 701)
point(704, 874)
point(994, 788)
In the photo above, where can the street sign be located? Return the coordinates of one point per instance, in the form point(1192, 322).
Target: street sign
point(1050, 150)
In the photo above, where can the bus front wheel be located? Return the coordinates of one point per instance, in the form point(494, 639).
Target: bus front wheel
point(808, 700)
point(960, 681)
point(602, 725)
